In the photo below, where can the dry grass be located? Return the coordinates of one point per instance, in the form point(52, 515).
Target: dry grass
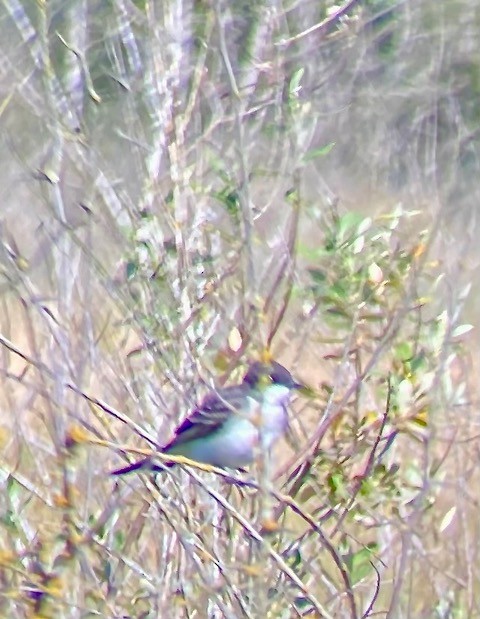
point(186, 185)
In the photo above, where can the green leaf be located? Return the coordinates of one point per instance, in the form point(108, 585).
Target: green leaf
point(338, 290)
point(336, 482)
point(318, 152)
point(294, 84)
point(9, 520)
point(13, 489)
point(403, 351)
point(169, 197)
point(294, 558)
point(309, 253)
point(418, 362)
point(348, 224)
point(302, 603)
point(119, 540)
point(230, 200)
point(291, 195)
point(132, 269)
point(359, 564)
point(318, 276)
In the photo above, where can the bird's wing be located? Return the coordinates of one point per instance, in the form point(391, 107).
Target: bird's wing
point(210, 415)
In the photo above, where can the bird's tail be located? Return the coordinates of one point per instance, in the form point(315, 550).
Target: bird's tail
point(142, 465)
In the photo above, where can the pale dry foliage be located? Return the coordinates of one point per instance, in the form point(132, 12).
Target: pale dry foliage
point(183, 183)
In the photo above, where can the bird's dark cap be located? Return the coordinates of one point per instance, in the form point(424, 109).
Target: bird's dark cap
point(274, 371)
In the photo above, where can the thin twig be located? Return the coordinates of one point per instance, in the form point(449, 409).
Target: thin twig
point(322, 26)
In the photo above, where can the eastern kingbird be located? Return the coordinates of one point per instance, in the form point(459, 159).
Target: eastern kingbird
point(232, 423)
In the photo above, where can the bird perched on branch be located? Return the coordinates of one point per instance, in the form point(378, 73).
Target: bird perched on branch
point(232, 424)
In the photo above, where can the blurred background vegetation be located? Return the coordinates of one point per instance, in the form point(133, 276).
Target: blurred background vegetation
point(186, 185)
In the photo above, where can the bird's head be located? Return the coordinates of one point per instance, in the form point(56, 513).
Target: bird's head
point(263, 375)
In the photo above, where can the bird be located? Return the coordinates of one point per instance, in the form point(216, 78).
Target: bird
point(233, 424)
